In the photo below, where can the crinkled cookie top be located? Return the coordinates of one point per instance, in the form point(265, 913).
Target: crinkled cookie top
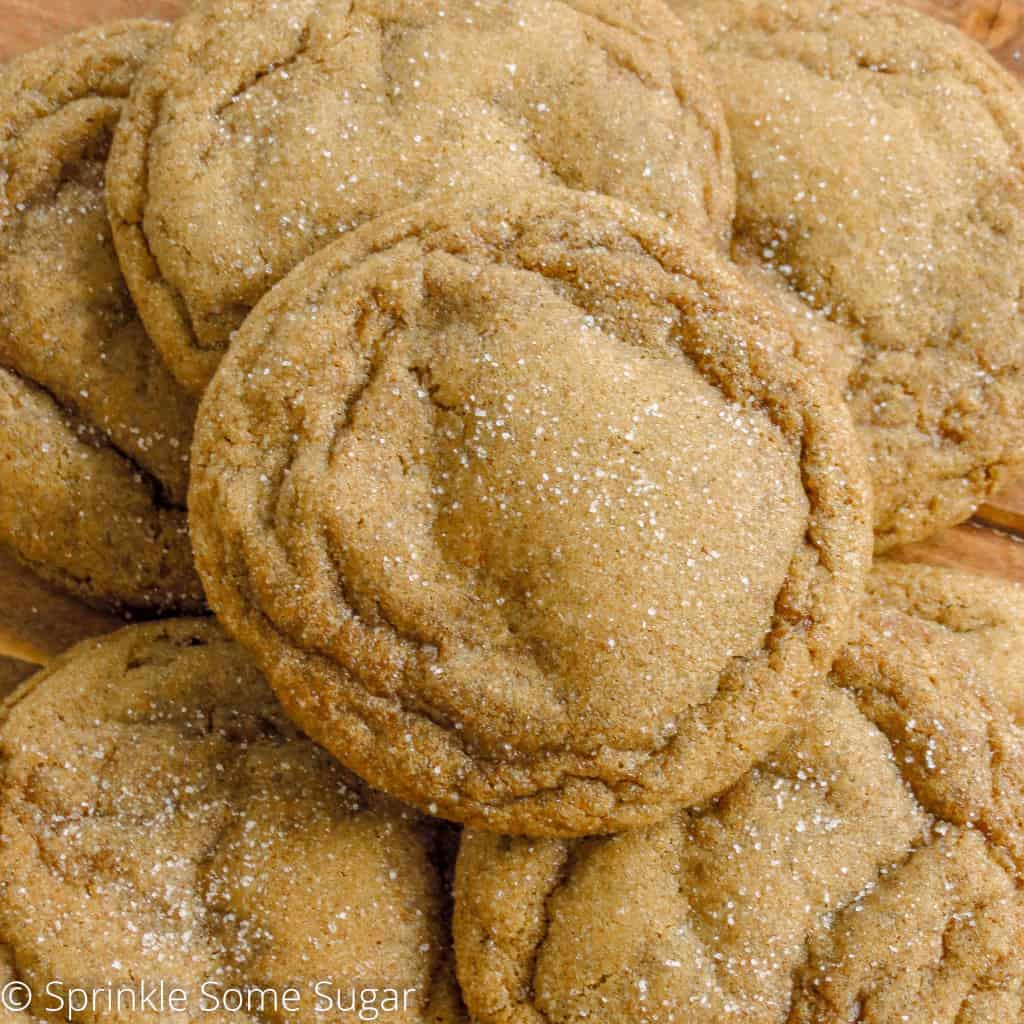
point(95, 431)
point(985, 612)
point(265, 129)
point(525, 516)
point(163, 820)
point(880, 180)
point(868, 870)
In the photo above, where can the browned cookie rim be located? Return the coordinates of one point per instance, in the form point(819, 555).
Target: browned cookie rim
point(133, 644)
point(76, 64)
point(963, 602)
point(555, 792)
point(865, 656)
point(163, 305)
point(953, 495)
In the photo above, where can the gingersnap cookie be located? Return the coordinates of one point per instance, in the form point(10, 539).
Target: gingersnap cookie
point(525, 516)
point(985, 613)
point(880, 180)
point(94, 431)
point(868, 870)
point(265, 129)
point(162, 821)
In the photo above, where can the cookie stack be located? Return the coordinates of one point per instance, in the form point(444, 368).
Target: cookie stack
point(530, 389)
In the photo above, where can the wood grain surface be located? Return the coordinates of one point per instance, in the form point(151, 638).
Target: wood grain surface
point(26, 24)
point(35, 623)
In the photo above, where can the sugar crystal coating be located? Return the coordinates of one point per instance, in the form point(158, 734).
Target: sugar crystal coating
point(266, 129)
point(869, 869)
point(986, 613)
point(95, 431)
point(523, 514)
point(880, 180)
point(163, 821)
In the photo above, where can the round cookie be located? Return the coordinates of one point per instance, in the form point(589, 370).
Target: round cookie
point(984, 612)
point(869, 870)
point(880, 181)
point(265, 129)
point(524, 514)
point(95, 432)
point(162, 820)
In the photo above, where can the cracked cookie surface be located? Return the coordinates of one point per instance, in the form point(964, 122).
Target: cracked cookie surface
point(265, 129)
point(880, 182)
point(985, 612)
point(95, 431)
point(163, 820)
point(869, 869)
point(525, 515)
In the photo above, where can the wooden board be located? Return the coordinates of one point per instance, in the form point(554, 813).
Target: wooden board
point(26, 24)
point(34, 623)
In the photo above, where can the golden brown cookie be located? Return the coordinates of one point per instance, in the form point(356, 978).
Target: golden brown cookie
point(162, 820)
point(94, 431)
point(265, 129)
point(524, 514)
point(869, 870)
point(985, 613)
point(880, 180)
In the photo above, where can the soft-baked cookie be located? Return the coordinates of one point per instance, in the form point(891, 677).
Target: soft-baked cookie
point(987, 614)
point(94, 431)
point(162, 820)
point(869, 870)
point(880, 180)
point(525, 515)
point(265, 129)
